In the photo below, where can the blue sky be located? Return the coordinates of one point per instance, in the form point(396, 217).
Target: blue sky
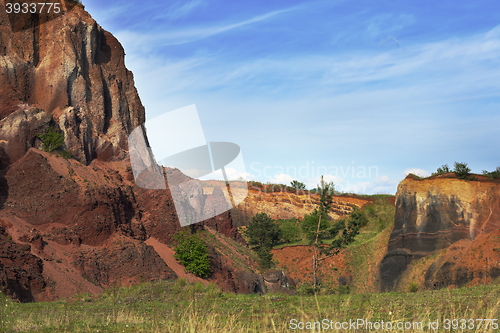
point(361, 91)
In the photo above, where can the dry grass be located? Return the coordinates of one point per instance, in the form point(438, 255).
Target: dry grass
point(181, 307)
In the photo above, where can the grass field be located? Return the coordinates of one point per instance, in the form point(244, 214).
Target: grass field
point(170, 306)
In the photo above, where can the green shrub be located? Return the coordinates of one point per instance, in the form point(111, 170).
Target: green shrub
point(493, 174)
point(290, 230)
point(343, 290)
point(309, 225)
point(192, 252)
point(412, 287)
point(307, 289)
point(65, 154)
point(51, 139)
point(255, 185)
point(262, 231)
point(298, 185)
point(462, 171)
point(443, 169)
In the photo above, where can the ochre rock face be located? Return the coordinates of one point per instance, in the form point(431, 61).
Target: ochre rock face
point(289, 205)
point(432, 214)
point(73, 70)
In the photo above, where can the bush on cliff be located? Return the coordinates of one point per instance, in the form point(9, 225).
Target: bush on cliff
point(462, 171)
point(493, 174)
point(192, 252)
point(443, 169)
point(299, 186)
point(51, 139)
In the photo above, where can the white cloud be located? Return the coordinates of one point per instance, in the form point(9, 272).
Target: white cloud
point(281, 178)
point(380, 185)
point(233, 174)
point(315, 181)
point(416, 171)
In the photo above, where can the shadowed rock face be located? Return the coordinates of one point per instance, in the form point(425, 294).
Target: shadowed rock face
point(433, 214)
point(20, 271)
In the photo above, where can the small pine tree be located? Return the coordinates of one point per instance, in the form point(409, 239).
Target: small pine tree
point(263, 233)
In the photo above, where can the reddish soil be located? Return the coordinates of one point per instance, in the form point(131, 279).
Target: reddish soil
point(297, 262)
point(167, 254)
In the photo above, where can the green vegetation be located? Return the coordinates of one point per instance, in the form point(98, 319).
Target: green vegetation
point(369, 247)
point(176, 307)
point(263, 233)
point(462, 171)
point(443, 169)
point(65, 154)
point(493, 174)
point(255, 185)
point(192, 252)
point(290, 230)
point(51, 139)
point(413, 287)
point(298, 185)
point(315, 223)
point(239, 254)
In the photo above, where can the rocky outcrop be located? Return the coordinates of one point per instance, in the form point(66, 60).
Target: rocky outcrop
point(270, 281)
point(124, 262)
point(439, 214)
point(68, 72)
point(278, 281)
point(288, 205)
point(20, 271)
point(79, 223)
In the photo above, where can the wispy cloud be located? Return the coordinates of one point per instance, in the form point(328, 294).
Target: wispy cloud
point(147, 41)
point(457, 68)
point(181, 9)
point(428, 100)
point(386, 24)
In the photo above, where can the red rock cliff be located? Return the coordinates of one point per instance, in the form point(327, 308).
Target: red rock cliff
point(75, 225)
point(71, 72)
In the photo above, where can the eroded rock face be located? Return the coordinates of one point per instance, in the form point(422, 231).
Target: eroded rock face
point(288, 205)
point(433, 214)
point(20, 271)
point(73, 70)
point(121, 263)
point(68, 222)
